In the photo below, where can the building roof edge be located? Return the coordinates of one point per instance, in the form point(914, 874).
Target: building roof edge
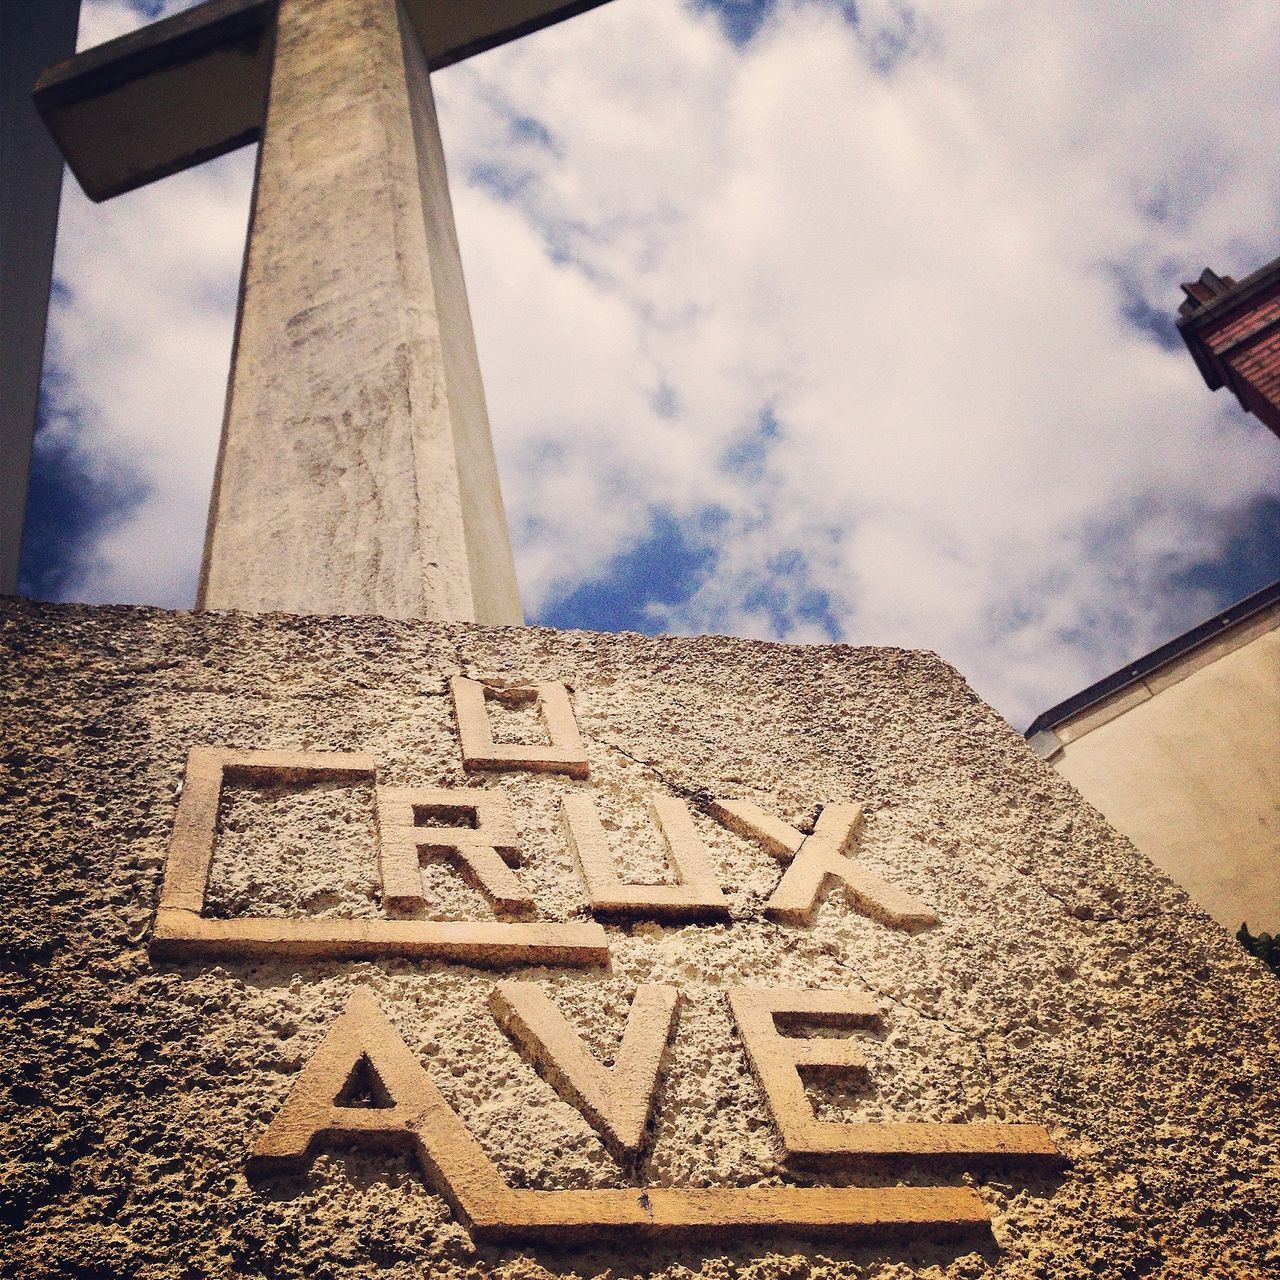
point(1240, 612)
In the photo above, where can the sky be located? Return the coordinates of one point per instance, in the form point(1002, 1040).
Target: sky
point(804, 320)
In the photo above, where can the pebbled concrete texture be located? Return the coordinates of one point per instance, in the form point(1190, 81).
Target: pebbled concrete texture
point(1068, 983)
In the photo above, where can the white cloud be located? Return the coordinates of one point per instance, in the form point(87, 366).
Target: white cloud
point(910, 238)
point(143, 339)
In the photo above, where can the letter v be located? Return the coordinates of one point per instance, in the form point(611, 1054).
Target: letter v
point(616, 1103)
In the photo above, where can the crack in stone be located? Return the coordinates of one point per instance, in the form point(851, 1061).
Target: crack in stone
point(695, 795)
point(460, 661)
point(1100, 917)
point(1160, 913)
point(974, 1038)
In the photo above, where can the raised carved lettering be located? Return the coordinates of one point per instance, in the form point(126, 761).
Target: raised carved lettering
point(183, 932)
point(616, 1102)
point(777, 1061)
point(819, 860)
point(473, 828)
point(695, 896)
point(564, 753)
point(412, 1111)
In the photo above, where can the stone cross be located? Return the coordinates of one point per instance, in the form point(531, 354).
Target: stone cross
point(356, 472)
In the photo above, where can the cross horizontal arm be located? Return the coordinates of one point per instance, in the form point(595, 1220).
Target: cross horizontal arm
point(162, 98)
point(194, 86)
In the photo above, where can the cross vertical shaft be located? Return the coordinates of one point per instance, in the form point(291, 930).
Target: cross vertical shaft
point(356, 473)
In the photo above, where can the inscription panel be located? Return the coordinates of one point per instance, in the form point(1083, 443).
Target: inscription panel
point(1065, 984)
point(475, 830)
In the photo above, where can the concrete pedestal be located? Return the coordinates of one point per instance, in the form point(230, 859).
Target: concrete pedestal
point(1028, 967)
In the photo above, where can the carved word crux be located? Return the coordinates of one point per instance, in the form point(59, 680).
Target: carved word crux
point(474, 829)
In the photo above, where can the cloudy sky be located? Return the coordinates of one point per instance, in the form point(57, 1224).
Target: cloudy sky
point(799, 319)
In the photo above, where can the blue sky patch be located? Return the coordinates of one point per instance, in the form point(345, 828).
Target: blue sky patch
point(68, 509)
point(788, 599)
point(890, 44)
point(1250, 561)
point(741, 19)
point(747, 454)
point(527, 129)
point(504, 181)
point(664, 568)
point(1155, 322)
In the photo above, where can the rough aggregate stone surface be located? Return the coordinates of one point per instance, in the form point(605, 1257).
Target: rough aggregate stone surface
point(1068, 983)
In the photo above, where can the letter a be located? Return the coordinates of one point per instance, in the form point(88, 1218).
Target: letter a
point(407, 1108)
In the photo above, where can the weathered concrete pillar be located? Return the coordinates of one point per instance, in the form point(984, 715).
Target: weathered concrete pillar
point(356, 473)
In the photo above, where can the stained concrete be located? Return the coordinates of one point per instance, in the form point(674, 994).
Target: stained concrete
point(1067, 983)
point(356, 472)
